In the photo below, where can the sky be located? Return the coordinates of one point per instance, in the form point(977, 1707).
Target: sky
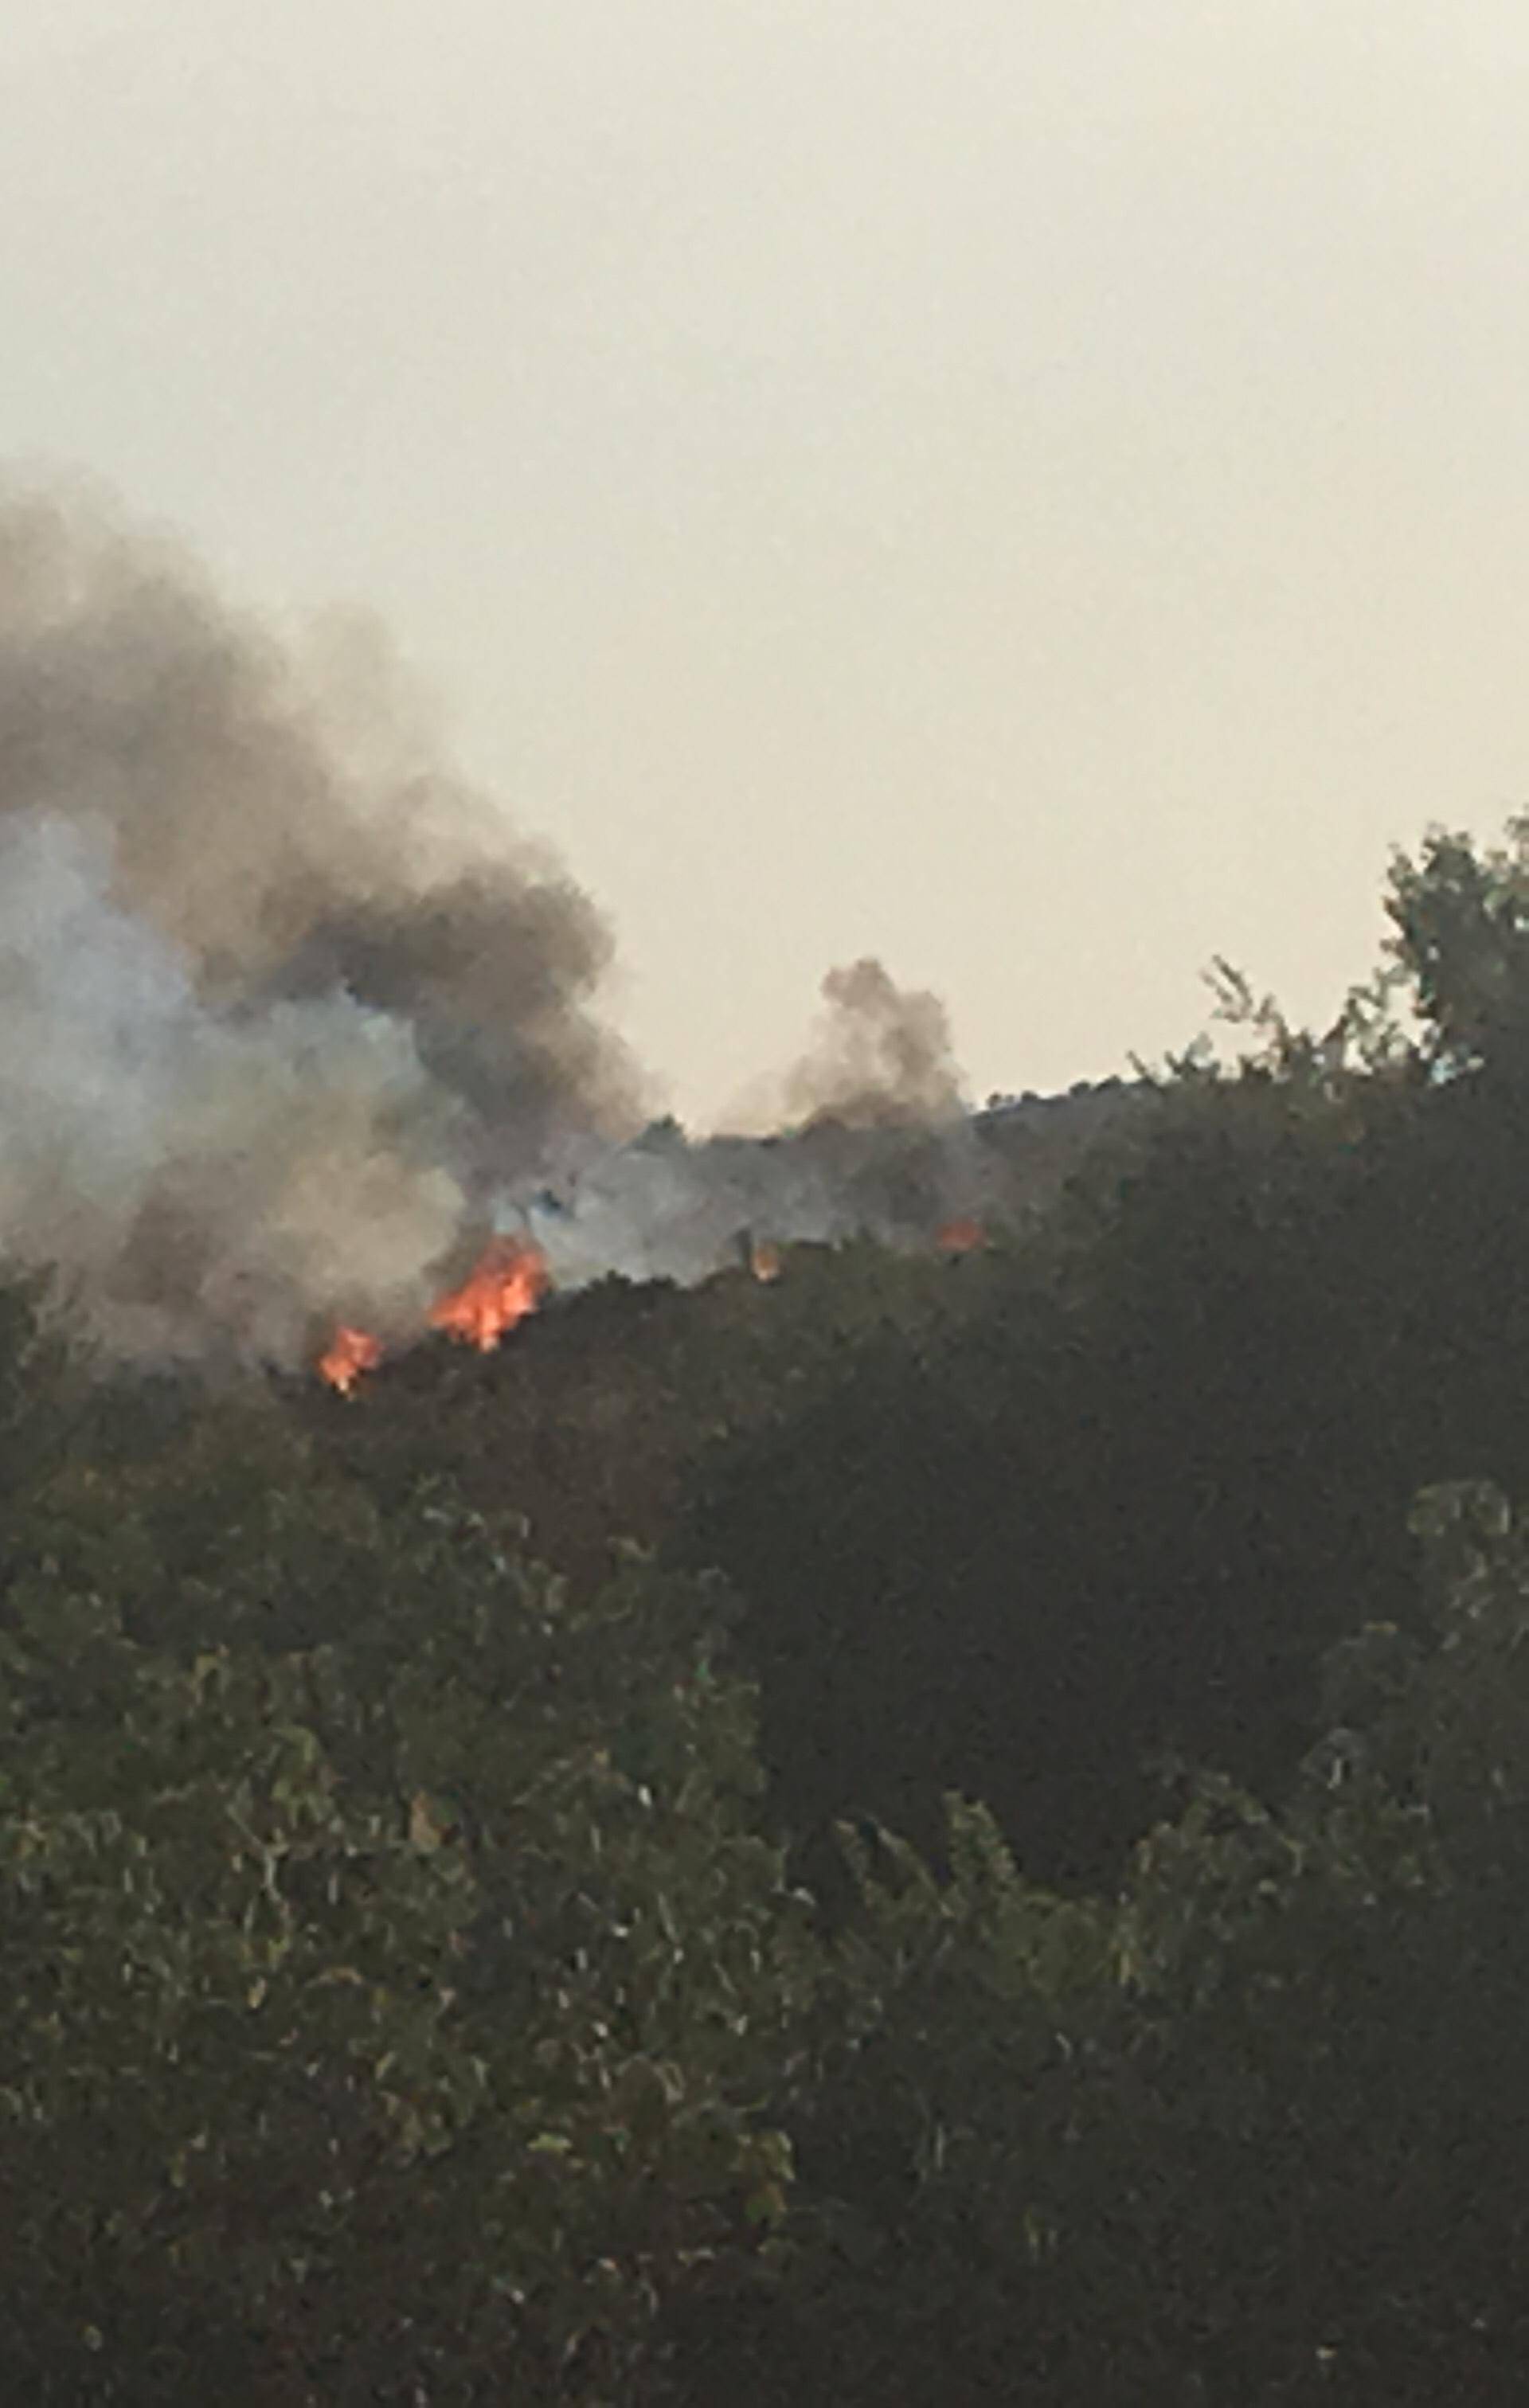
point(1034, 489)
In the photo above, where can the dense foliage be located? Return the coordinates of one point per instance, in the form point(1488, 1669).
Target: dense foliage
point(1044, 1923)
point(392, 1976)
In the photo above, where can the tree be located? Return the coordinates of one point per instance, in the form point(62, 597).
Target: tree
point(1117, 1500)
point(1251, 2130)
point(393, 1974)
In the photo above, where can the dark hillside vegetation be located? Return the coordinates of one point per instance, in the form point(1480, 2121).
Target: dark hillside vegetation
point(940, 1828)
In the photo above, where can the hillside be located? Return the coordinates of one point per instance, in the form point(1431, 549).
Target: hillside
point(945, 1823)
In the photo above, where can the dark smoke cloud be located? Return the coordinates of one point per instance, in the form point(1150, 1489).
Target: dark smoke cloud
point(282, 1001)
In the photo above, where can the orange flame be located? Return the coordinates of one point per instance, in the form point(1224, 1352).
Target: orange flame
point(765, 1260)
point(349, 1353)
point(960, 1237)
point(508, 1281)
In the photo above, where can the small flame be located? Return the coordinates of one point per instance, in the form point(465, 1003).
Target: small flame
point(960, 1237)
point(765, 1260)
point(508, 1281)
point(349, 1353)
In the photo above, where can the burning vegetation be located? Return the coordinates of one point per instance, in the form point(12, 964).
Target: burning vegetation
point(513, 1275)
point(348, 1353)
point(508, 1281)
point(960, 1237)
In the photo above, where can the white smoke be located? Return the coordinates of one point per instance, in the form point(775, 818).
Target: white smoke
point(203, 1183)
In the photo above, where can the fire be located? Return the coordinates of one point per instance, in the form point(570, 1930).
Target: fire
point(960, 1237)
point(508, 1280)
point(765, 1260)
point(349, 1353)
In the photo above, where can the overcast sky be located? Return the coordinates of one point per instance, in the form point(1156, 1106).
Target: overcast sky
point(1034, 489)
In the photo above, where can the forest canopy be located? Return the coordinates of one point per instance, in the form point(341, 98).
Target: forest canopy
point(940, 1825)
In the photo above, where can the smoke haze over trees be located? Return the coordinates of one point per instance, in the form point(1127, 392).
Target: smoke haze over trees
point(293, 1017)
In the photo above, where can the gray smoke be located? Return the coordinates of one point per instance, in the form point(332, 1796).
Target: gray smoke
point(291, 1018)
point(883, 1057)
point(283, 1004)
point(883, 1146)
point(878, 1142)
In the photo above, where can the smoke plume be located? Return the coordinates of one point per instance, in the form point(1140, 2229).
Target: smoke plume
point(882, 1059)
point(878, 1142)
point(283, 1003)
point(292, 1019)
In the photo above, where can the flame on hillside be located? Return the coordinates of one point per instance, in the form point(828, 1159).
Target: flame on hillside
point(349, 1353)
point(960, 1237)
point(508, 1280)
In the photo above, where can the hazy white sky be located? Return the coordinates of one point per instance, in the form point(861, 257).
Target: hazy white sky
point(1036, 489)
